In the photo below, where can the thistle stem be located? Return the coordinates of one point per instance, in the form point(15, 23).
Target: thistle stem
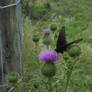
point(50, 84)
point(36, 44)
point(16, 89)
point(68, 80)
point(69, 75)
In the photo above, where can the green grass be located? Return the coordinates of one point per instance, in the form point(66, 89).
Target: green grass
point(76, 16)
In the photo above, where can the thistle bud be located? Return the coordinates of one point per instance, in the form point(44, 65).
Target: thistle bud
point(49, 69)
point(53, 27)
point(35, 38)
point(65, 56)
point(74, 51)
point(47, 41)
point(47, 31)
point(13, 78)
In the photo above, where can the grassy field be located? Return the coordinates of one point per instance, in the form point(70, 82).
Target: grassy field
point(76, 15)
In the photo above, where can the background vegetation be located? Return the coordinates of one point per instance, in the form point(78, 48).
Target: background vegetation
point(76, 15)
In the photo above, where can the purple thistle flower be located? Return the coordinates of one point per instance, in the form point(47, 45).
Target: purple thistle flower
point(48, 56)
point(47, 31)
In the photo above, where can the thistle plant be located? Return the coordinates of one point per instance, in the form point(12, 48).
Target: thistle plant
point(53, 28)
point(47, 42)
point(49, 67)
point(13, 80)
point(71, 58)
point(36, 39)
point(47, 39)
point(47, 32)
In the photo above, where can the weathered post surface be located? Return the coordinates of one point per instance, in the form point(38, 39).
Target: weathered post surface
point(10, 39)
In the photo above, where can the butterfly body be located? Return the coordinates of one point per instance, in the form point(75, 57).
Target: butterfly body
point(62, 44)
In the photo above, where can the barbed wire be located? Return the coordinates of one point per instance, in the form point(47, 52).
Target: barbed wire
point(10, 5)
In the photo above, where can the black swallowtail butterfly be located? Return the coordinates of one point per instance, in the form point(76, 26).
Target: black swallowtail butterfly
point(62, 44)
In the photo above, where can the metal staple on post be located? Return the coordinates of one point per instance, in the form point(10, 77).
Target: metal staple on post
point(21, 33)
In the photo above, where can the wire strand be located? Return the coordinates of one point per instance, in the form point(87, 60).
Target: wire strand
point(10, 5)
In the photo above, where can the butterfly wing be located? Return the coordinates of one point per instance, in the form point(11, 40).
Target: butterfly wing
point(61, 42)
point(73, 43)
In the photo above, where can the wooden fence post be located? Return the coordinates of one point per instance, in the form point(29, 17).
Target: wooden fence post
point(10, 38)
